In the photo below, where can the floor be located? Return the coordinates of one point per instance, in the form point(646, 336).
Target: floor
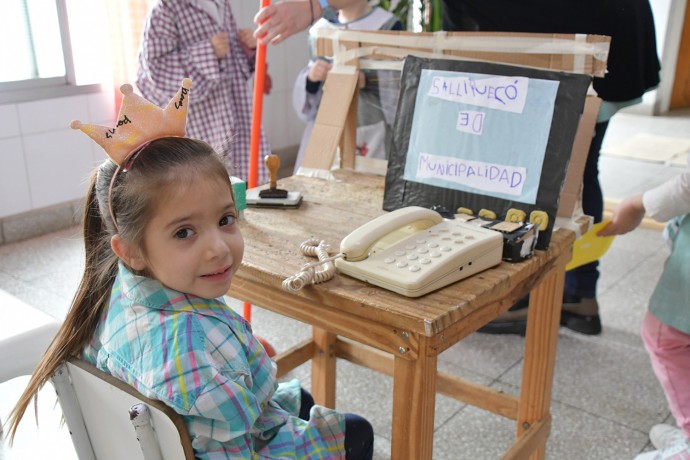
point(605, 396)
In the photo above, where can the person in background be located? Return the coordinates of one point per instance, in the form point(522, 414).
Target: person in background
point(162, 245)
point(666, 327)
point(632, 69)
point(378, 89)
point(200, 39)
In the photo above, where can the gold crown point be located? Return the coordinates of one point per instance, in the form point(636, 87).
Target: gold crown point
point(126, 89)
point(139, 122)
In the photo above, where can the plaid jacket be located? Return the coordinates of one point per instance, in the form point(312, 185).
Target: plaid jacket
point(176, 44)
point(200, 357)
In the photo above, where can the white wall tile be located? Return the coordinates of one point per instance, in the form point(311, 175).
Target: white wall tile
point(102, 108)
point(297, 48)
point(59, 164)
point(9, 126)
point(14, 184)
point(52, 114)
point(274, 119)
point(295, 126)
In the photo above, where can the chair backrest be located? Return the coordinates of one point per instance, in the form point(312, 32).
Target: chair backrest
point(97, 409)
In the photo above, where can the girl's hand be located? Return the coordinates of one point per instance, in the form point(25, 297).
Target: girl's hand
point(319, 71)
point(221, 44)
point(247, 38)
point(626, 217)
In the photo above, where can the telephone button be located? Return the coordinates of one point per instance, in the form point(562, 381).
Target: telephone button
point(420, 241)
point(389, 260)
point(433, 245)
point(422, 250)
point(424, 261)
point(401, 264)
point(459, 241)
point(414, 268)
point(435, 254)
point(411, 256)
point(469, 237)
point(410, 247)
point(399, 253)
point(446, 248)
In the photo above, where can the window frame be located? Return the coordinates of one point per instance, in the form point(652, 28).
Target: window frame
point(51, 87)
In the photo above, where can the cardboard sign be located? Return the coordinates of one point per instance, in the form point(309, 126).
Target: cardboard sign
point(481, 135)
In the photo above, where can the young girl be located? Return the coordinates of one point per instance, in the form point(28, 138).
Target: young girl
point(162, 246)
point(378, 89)
point(666, 328)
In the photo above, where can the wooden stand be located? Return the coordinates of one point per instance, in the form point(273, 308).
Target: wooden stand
point(396, 335)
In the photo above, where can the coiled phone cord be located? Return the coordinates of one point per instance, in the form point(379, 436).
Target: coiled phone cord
point(310, 274)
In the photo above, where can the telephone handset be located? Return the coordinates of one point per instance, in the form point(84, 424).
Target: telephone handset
point(374, 235)
point(413, 251)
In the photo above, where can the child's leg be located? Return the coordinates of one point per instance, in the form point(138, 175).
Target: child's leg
point(359, 438)
point(307, 402)
point(359, 435)
point(669, 350)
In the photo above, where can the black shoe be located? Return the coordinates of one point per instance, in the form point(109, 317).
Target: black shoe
point(581, 314)
point(514, 321)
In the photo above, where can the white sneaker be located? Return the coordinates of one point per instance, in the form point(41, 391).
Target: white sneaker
point(678, 451)
point(664, 435)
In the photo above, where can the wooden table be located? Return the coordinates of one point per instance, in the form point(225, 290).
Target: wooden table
point(396, 335)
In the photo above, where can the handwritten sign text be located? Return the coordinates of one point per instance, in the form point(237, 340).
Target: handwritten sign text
point(476, 174)
point(499, 93)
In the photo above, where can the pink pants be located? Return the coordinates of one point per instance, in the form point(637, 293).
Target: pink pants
point(669, 351)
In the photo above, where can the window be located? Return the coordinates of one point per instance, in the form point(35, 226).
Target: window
point(52, 48)
point(33, 30)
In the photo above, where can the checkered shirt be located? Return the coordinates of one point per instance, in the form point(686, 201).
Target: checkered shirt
point(176, 44)
point(200, 357)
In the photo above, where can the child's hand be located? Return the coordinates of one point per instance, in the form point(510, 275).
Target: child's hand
point(319, 71)
point(221, 44)
point(626, 217)
point(247, 38)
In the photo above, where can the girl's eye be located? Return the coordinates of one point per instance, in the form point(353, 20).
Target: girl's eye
point(183, 233)
point(227, 220)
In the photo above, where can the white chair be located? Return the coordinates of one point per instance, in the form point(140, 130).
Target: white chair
point(98, 408)
point(25, 333)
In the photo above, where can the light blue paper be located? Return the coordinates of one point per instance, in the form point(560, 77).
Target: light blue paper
point(480, 133)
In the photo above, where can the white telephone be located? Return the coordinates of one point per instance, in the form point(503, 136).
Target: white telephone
point(413, 251)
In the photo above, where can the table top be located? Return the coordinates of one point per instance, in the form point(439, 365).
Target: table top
point(330, 210)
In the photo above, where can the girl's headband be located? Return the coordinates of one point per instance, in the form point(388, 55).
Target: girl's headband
point(139, 123)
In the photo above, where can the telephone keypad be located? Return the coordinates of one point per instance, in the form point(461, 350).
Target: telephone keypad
point(428, 259)
point(440, 240)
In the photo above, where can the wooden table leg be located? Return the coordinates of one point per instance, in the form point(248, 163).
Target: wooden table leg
point(540, 352)
point(323, 368)
point(414, 395)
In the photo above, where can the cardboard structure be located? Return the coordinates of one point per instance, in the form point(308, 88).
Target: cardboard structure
point(480, 135)
point(335, 124)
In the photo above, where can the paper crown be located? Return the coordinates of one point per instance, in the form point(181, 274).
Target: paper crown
point(139, 122)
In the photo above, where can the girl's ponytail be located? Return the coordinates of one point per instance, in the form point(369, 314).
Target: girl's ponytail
point(88, 304)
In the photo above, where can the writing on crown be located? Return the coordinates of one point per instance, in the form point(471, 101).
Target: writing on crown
point(139, 122)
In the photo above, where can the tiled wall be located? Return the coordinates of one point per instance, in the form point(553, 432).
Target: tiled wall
point(44, 165)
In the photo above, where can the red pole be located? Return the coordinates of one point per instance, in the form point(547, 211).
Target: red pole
point(255, 142)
